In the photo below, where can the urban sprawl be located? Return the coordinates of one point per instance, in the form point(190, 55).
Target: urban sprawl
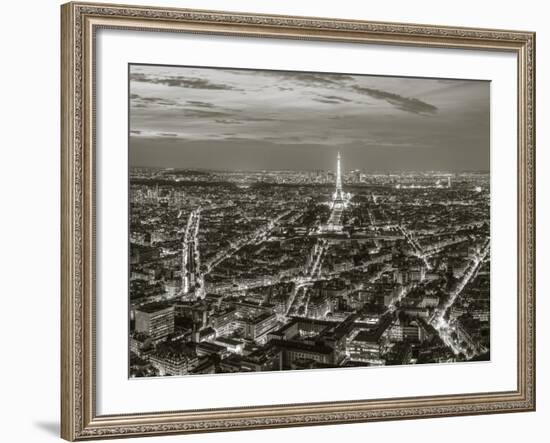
point(238, 271)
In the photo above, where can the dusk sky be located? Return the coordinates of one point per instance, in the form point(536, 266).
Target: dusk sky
point(186, 117)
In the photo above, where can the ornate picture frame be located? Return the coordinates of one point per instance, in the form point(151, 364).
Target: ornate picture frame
point(80, 22)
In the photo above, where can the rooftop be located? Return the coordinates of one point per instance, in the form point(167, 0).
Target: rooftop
point(154, 307)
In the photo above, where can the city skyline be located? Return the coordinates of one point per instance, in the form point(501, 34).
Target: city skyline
point(215, 119)
point(275, 248)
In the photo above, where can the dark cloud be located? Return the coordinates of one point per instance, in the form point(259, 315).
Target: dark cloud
point(245, 119)
point(228, 121)
point(406, 104)
point(200, 113)
point(176, 113)
point(180, 81)
point(200, 104)
point(292, 78)
point(156, 100)
point(259, 119)
point(313, 79)
point(337, 98)
point(332, 99)
point(328, 102)
point(138, 100)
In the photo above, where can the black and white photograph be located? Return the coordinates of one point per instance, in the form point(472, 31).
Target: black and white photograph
point(283, 220)
point(294, 220)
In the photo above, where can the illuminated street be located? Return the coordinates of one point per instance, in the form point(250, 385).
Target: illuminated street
point(296, 256)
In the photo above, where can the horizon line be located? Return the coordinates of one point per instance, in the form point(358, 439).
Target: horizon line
point(446, 171)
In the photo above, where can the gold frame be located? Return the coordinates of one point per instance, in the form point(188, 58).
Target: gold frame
point(79, 22)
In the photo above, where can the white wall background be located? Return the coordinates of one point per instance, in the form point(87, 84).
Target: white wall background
point(29, 218)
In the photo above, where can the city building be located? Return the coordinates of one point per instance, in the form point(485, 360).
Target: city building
point(155, 319)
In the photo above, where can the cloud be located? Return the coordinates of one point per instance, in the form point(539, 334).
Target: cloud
point(200, 104)
point(141, 102)
point(224, 121)
point(288, 80)
point(259, 119)
point(180, 81)
point(406, 104)
point(277, 111)
point(331, 99)
point(170, 114)
point(328, 102)
point(336, 98)
point(200, 113)
point(315, 79)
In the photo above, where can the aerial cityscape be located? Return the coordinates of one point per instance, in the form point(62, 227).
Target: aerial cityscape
point(285, 259)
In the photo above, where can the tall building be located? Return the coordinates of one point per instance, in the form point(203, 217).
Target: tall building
point(340, 200)
point(338, 193)
point(155, 319)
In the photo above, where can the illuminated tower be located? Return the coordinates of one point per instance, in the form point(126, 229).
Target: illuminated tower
point(338, 193)
point(340, 201)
